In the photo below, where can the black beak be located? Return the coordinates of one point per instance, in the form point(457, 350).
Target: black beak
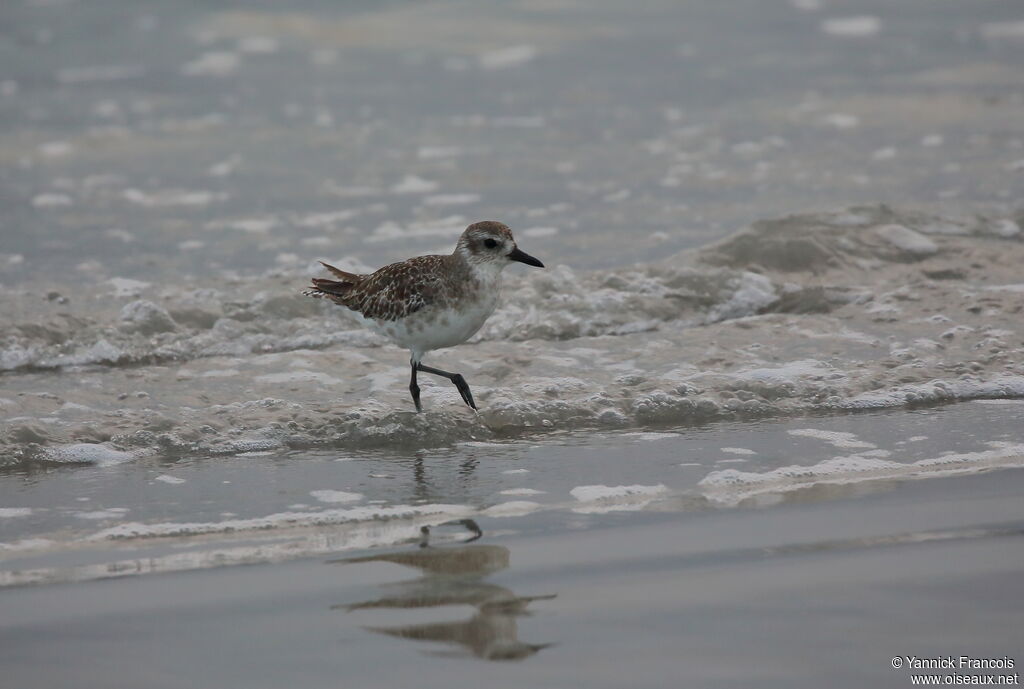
point(524, 257)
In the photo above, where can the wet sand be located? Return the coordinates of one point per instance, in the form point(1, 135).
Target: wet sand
point(808, 593)
point(804, 552)
point(164, 514)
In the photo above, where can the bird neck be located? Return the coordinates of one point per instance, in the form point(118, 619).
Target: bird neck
point(486, 270)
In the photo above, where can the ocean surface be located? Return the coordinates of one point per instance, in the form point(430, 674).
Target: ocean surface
point(773, 371)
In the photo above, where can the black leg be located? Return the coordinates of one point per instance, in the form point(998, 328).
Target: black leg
point(414, 388)
point(460, 383)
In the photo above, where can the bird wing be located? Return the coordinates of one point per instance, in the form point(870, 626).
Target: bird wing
point(391, 293)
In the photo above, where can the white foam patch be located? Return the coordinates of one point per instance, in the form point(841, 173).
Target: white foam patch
point(439, 152)
point(299, 377)
point(1003, 386)
point(516, 471)
point(170, 198)
point(50, 200)
point(907, 240)
point(451, 199)
point(220, 373)
point(56, 149)
point(86, 453)
point(11, 512)
point(752, 293)
point(738, 451)
point(1006, 228)
point(110, 513)
point(650, 435)
point(599, 499)
point(213, 64)
point(504, 58)
point(837, 438)
point(259, 225)
point(790, 372)
point(841, 120)
point(852, 27)
point(514, 508)
point(167, 478)
point(525, 121)
point(1018, 287)
point(279, 521)
point(522, 491)
point(336, 496)
point(26, 544)
point(102, 352)
point(412, 184)
point(327, 220)
point(729, 486)
point(127, 287)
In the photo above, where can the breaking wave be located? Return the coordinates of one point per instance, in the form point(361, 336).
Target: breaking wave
point(862, 308)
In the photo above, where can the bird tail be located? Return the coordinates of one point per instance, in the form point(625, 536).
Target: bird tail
point(339, 273)
point(333, 288)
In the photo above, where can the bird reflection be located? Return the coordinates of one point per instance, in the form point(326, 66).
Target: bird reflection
point(455, 575)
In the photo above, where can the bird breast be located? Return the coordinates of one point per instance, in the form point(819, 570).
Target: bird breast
point(436, 326)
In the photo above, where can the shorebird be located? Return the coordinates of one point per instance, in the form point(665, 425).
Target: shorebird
point(431, 302)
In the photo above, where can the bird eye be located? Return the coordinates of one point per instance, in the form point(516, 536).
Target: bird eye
point(490, 243)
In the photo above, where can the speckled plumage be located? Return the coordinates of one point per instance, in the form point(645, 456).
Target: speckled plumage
point(399, 290)
point(430, 302)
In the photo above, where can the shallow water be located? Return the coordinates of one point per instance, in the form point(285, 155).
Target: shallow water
point(866, 308)
point(159, 515)
point(164, 141)
point(802, 594)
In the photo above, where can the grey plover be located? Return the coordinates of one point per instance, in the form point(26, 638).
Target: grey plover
point(431, 302)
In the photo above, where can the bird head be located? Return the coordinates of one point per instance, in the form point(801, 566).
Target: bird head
point(491, 243)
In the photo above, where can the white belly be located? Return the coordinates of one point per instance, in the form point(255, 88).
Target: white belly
point(431, 329)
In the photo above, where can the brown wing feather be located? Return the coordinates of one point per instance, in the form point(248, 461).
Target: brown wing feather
point(339, 273)
point(394, 291)
point(332, 287)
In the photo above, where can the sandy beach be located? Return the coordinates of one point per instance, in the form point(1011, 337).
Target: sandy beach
point(809, 592)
